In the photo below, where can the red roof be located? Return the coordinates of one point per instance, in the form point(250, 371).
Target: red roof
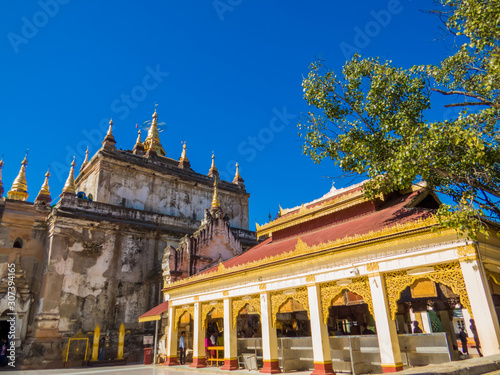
point(154, 313)
point(391, 214)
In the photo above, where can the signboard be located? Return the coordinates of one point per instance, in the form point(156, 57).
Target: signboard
point(148, 340)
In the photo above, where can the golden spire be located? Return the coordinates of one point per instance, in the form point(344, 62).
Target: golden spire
point(69, 186)
point(19, 189)
point(152, 142)
point(86, 160)
point(183, 161)
point(139, 140)
point(110, 129)
point(109, 140)
point(215, 199)
point(44, 193)
point(213, 172)
point(138, 147)
point(237, 178)
point(183, 155)
point(1, 184)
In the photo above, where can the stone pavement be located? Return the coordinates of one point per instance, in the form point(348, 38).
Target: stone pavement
point(475, 366)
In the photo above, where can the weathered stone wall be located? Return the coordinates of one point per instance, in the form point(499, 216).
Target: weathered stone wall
point(157, 185)
point(24, 222)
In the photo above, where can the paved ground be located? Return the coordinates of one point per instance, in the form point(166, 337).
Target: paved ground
point(475, 366)
point(141, 370)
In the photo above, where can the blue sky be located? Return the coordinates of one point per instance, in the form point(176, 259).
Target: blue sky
point(226, 75)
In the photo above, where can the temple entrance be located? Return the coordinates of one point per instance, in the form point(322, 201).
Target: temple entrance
point(213, 325)
point(292, 320)
point(186, 325)
point(428, 317)
point(248, 323)
point(348, 315)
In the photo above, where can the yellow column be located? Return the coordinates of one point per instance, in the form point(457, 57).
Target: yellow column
point(95, 343)
point(121, 341)
point(319, 331)
point(390, 355)
point(230, 343)
point(269, 338)
point(171, 339)
point(198, 339)
point(485, 316)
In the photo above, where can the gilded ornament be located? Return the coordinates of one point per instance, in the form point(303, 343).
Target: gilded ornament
point(467, 253)
point(310, 279)
point(207, 307)
point(356, 251)
point(180, 311)
point(262, 287)
point(225, 293)
point(372, 267)
point(449, 274)
point(331, 290)
point(239, 303)
point(278, 299)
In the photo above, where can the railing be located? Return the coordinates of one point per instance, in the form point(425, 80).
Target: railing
point(353, 354)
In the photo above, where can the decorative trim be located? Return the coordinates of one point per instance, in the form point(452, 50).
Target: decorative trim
point(310, 279)
point(239, 303)
point(179, 311)
point(330, 290)
point(304, 214)
point(494, 276)
point(225, 293)
point(262, 287)
point(372, 267)
point(278, 299)
point(467, 253)
point(449, 274)
point(355, 240)
point(207, 307)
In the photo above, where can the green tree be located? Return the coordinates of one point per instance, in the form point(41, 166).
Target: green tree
point(370, 119)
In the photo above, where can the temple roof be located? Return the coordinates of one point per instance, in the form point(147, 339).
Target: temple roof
point(401, 213)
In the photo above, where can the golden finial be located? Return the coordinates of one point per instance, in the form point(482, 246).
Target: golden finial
point(281, 210)
point(183, 155)
point(237, 178)
point(215, 199)
point(110, 129)
point(69, 186)
point(152, 141)
point(19, 189)
point(44, 193)
point(213, 172)
point(139, 140)
point(183, 161)
point(109, 140)
point(86, 160)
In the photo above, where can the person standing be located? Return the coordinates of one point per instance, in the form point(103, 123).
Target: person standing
point(416, 327)
point(182, 348)
point(463, 338)
point(476, 337)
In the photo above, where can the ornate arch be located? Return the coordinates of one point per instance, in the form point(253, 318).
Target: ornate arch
point(179, 312)
point(207, 307)
point(331, 290)
point(278, 299)
point(239, 303)
point(449, 274)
